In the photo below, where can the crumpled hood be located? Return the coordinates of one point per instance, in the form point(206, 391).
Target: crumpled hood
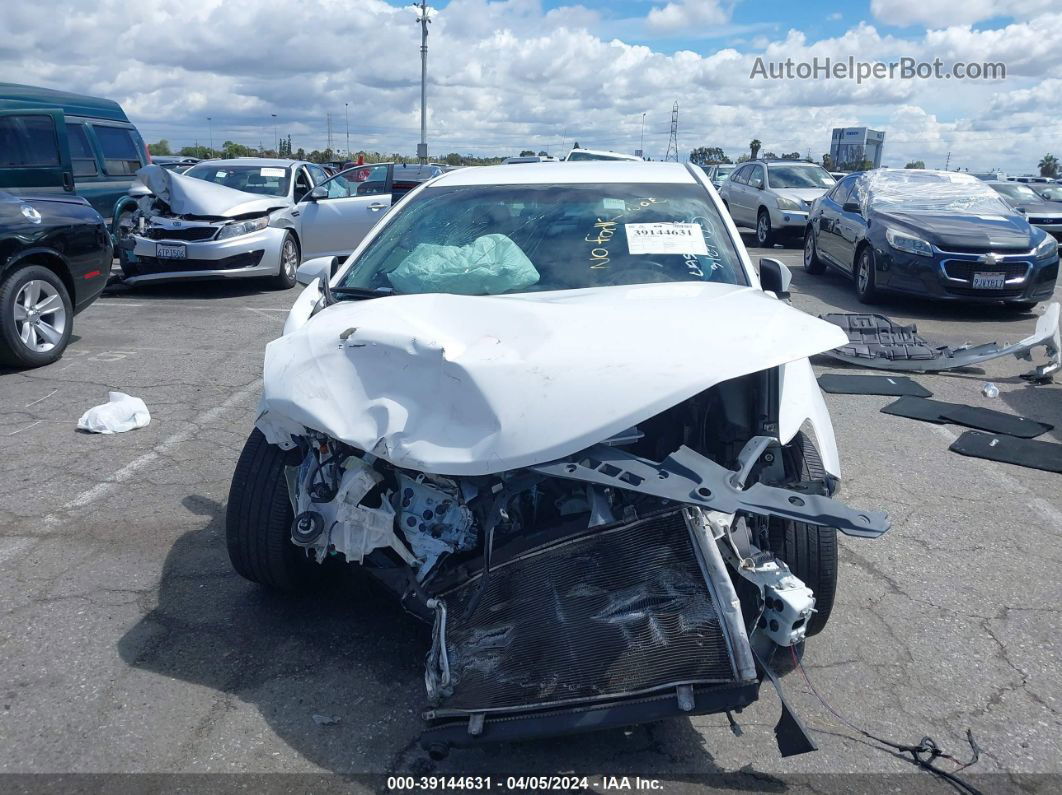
point(472, 385)
point(191, 196)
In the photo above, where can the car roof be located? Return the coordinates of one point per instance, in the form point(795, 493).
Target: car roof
point(16, 97)
point(267, 162)
point(586, 172)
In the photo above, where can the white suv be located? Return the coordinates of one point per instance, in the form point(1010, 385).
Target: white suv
point(774, 196)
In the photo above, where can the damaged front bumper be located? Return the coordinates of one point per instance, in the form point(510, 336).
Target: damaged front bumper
point(246, 256)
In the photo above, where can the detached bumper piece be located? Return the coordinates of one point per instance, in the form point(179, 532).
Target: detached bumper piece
point(617, 625)
point(877, 342)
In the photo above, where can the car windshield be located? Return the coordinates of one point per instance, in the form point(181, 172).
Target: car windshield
point(799, 177)
point(267, 180)
point(585, 155)
point(1021, 193)
point(722, 171)
point(1052, 194)
point(486, 240)
point(929, 192)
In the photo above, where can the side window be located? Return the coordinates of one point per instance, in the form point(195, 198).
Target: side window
point(120, 155)
point(741, 176)
point(28, 141)
point(317, 174)
point(81, 154)
point(302, 184)
point(756, 177)
point(371, 180)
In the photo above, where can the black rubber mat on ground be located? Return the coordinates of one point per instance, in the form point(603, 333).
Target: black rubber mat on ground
point(1009, 450)
point(889, 385)
point(940, 412)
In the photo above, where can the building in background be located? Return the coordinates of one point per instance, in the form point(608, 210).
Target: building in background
point(850, 146)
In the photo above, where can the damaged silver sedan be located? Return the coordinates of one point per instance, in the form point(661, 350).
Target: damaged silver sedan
point(558, 413)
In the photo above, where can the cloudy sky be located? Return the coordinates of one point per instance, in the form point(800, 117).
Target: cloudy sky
point(540, 74)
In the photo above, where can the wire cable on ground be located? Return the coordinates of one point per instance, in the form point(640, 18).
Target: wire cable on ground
point(924, 754)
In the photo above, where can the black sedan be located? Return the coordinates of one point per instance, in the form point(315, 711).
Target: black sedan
point(55, 258)
point(934, 234)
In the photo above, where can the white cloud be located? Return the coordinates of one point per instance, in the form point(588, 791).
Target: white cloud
point(681, 15)
point(505, 76)
point(946, 13)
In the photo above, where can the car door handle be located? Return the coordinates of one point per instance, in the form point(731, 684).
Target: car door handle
point(68, 180)
point(377, 206)
point(295, 213)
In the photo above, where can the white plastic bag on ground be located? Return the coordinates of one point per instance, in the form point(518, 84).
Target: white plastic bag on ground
point(120, 413)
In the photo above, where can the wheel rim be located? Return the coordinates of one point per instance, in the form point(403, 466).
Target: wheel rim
point(761, 229)
point(809, 249)
point(863, 279)
point(40, 316)
point(288, 259)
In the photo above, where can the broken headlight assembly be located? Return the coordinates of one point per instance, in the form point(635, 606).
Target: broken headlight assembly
point(238, 228)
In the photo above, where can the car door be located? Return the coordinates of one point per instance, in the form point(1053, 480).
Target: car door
point(734, 187)
point(339, 212)
point(752, 194)
point(34, 155)
point(851, 228)
point(828, 224)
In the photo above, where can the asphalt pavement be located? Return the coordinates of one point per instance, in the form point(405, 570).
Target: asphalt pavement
point(127, 643)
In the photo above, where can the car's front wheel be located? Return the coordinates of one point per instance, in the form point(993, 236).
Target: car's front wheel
point(259, 517)
point(289, 263)
point(865, 279)
point(764, 235)
point(36, 317)
point(812, 263)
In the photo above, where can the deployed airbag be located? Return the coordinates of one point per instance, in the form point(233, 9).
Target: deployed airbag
point(491, 264)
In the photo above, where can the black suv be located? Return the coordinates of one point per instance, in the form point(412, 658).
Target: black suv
point(55, 259)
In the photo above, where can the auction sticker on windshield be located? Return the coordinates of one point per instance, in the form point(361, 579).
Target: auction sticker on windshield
point(665, 238)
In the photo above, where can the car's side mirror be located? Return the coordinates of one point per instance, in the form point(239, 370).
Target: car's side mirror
point(852, 207)
point(775, 277)
point(316, 194)
point(322, 268)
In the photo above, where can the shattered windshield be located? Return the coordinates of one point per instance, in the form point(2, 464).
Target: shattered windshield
point(799, 177)
point(487, 240)
point(266, 180)
point(929, 192)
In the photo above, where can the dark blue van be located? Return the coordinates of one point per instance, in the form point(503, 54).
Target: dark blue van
point(53, 142)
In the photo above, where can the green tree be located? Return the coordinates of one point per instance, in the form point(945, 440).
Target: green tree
point(708, 155)
point(543, 154)
point(527, 153)
point(791, 156)
point(742, 159)
point(453, 159)
point(769, 156)
point(827, 162)
point(1048, 166)
point(754, 148)
point(161, 148)
point(916, 164)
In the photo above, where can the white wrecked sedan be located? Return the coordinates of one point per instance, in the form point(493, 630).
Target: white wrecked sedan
point(559, 415)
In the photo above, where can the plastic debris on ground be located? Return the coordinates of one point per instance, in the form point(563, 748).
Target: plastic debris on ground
point(119, 414)
point(990, 390)
point(326, 720)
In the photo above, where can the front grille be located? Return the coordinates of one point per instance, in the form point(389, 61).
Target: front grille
point(149, 265)
point(188, 233)
point(965, 270)
point(614, 612)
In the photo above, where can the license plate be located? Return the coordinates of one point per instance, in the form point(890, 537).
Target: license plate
point(989, 281)
point(170, 252)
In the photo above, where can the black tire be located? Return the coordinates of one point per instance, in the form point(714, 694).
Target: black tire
point(290, 257)
point(812, 263)
point(810, 551)
point(764, 233)
point(258, 521)
point(866, 288)
point(13, 351)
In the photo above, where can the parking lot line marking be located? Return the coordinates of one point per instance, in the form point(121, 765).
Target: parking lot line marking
point(108, 487)
point(40, 400)
point(1038, 504)
point(31, 425)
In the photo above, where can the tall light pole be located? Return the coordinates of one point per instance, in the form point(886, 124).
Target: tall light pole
point(641, 142)
point(422, 18)
point(346, 118)
point(210, 124)
point(276, 140)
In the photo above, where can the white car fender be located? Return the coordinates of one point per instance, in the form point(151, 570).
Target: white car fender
point(303, 307)
point(800, 401)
